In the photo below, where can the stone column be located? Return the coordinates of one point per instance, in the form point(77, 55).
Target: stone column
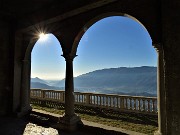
point(25, 89)
point(70, 119)
point(161, 93)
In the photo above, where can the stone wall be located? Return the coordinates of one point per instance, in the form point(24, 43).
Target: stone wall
point(6, 67)
point(171, 44)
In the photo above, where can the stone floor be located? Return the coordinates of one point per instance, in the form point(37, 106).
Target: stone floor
point(15, 126)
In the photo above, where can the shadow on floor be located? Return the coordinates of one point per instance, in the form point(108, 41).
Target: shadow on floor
point(12, 126)
point(16, 126)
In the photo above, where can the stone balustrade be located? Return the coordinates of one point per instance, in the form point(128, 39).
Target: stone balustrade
point(138, 104)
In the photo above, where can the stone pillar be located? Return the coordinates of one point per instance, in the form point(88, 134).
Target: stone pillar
point(69, 120)
point(25, 88)
point(161, 93)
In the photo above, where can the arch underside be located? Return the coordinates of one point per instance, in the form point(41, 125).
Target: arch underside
point(70, 30)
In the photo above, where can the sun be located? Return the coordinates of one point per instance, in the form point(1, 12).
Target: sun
point(42, 37)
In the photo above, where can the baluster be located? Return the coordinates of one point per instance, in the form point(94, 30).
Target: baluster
point(100, 99)
point(122, 102)
point(148, 105)
point(79, 97)
point(130, 104)
point(143, 105)
point(114, 103)
point(61, 96)
point(96, 99)
point(83, 98)
point(76, 98)
point(90, 99)
point(42, 94)
point(127, 103)
point(153, 106)
point(156, 109)
point(103, 100)
point(106, 101)
point(110, 101)
point(135, 108)
point(117, 102)
point(49, 94)
point(139, 105)
point(58, 96)
point(87, 99)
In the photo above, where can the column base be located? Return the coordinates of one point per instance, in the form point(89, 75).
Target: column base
point(69, 123)
point(24, 111)
point(157, 132)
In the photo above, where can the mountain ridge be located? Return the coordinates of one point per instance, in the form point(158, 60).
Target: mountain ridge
point(140, 81)
point(122, 79)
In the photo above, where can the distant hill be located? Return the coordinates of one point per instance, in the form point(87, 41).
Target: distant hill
point(42, 84)
point(36, 85)
point(136, 80)
point(36, 79)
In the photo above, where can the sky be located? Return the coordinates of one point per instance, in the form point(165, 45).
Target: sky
point(109, 43)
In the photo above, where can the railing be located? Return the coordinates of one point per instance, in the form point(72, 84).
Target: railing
point(138, 104)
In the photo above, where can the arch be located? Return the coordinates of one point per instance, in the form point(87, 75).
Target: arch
point(25, 76)
point(31, 44)
point(93, 21)
point(162, 119)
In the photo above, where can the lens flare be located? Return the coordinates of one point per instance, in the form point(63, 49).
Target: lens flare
point(42, 37)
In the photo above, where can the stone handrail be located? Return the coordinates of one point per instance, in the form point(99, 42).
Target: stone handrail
point(138, 104)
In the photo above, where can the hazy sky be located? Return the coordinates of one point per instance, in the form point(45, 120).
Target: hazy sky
point(111, 42)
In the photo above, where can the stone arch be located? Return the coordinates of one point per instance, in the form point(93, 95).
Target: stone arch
point(31, 44)
point(25, 77)
point(162, 119)
point(96, 19)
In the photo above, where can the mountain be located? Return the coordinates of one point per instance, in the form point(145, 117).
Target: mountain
point(36, 85)
point(42, 84)
point(36, 79)
point(136, 80)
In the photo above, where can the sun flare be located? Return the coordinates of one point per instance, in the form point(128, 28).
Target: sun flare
point(42, 37)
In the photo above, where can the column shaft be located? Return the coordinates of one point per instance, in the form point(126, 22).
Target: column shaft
point(161, 95)
point(69, 88)
point(25, 88)
point(70, 120)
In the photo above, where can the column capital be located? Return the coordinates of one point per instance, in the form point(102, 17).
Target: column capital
point(69, 57)
point(158, 47)
point(26, 61)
